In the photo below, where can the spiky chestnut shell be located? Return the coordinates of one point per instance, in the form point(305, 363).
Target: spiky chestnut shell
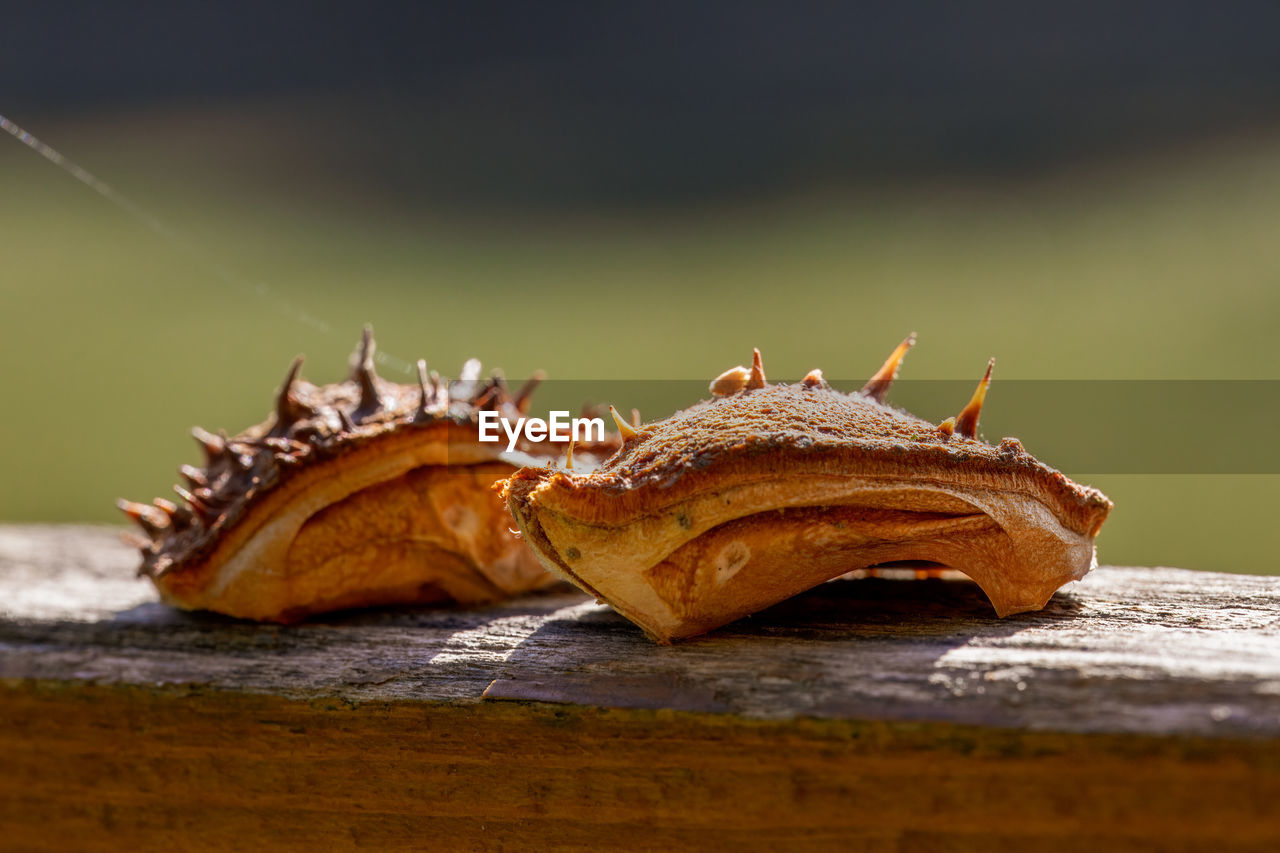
point(363, 492)
point(744, 500)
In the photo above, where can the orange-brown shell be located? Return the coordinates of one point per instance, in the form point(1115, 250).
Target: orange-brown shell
point(363, 492)
point(739, 502)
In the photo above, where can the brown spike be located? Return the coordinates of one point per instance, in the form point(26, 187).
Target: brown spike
point(470, 370)
point(493, 395)
point(152, 520)
point(467, 385)
point(244, 460)
point(814, 379)
point(179, 516)
point(967, 420)
point(212, 445)
point(133, 540)
point(730, 382)
point(203, 512)
point(878, 386)
point(189, 498)
point(568, 455)
point(525, 395)
point(207, 497)
point(287, 446)
point(424, 400)
point(289, 410)
point(242, 446)
point(484, 398)
point(626, 430)
point(756, 380)
point(635, 418)
point(497, 390)
point(364, 375)
point(194, 476)
point(439, 390)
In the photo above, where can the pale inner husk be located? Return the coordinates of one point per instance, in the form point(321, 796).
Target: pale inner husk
point(719, 555)
point(418, 526)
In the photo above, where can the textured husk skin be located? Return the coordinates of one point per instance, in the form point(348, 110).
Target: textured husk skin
point(737, 503)
point(379, 540)
point(364, 492)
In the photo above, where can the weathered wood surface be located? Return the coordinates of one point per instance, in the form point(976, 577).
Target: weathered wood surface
point(1126, 650)
point(1142, 707)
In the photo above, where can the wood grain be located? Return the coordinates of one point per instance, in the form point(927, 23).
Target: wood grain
point(1141, 709)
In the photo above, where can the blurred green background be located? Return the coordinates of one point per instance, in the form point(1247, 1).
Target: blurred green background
point(482, 225)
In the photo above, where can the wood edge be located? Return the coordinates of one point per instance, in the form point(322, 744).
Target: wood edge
point(873, 735)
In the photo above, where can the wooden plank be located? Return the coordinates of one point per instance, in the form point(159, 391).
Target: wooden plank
point(1126, 650)
point(1141, 709)
point(99, 768)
